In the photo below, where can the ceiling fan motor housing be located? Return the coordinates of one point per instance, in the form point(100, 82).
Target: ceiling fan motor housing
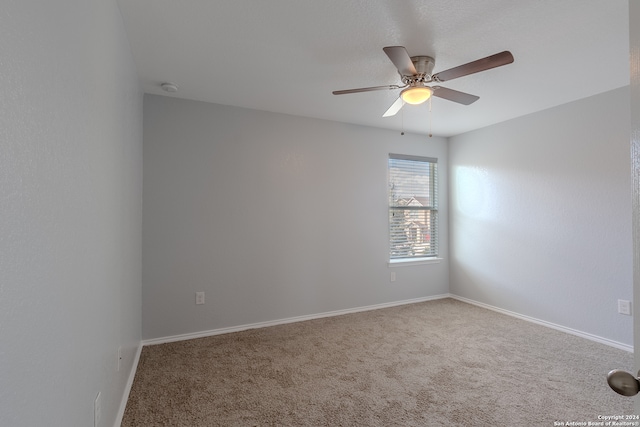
point(424, 65)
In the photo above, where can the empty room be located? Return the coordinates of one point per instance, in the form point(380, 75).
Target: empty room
point(319, 213)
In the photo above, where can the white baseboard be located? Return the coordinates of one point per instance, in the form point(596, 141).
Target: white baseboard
point(581, 334)
point(127, 388)
point(202, 334)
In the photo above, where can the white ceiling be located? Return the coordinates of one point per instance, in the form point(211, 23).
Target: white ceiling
point(287, 56)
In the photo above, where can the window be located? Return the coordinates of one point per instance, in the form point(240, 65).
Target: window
point(413, 207)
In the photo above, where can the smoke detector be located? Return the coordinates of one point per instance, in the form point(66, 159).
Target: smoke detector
point(169, 87)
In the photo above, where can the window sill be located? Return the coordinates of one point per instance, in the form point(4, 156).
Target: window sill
point(413, 261)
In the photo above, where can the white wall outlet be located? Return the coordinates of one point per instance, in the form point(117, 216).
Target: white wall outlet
point(97, 411)
point(393, 276)
point(199, 297)
point(119, 358)
point(624, 307)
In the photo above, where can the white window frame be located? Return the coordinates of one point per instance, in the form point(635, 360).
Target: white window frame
point(415, 249)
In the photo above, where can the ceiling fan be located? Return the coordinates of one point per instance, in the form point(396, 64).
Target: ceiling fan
point(415, 73)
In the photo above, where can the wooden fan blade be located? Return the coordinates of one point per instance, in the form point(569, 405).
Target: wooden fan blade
point(365, 89)
point(401, 59)
point(395, 107)
point(493, 61)
point(454, 95)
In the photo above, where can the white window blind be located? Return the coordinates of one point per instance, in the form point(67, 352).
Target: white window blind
point(413, 207)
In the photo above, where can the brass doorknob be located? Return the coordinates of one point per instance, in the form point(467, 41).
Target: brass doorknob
point(624, 383)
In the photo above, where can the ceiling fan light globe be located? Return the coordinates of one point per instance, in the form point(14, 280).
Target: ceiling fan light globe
point(416, 95)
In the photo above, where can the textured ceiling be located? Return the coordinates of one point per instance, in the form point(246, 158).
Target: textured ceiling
point(287, 56)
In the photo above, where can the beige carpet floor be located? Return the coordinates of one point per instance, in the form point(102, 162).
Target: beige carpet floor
point(437, 363)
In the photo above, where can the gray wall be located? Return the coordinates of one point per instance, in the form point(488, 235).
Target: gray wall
point(273, 216)
point(71, 211)
point(540, 215)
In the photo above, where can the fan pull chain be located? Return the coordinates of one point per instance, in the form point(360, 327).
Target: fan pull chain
point(401, 122)
point(430, 134)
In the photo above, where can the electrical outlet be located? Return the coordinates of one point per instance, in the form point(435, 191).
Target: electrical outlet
point(624, 307)
point(97, 411)
point(199, 297)
point(119, 358)
point(393, 276)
